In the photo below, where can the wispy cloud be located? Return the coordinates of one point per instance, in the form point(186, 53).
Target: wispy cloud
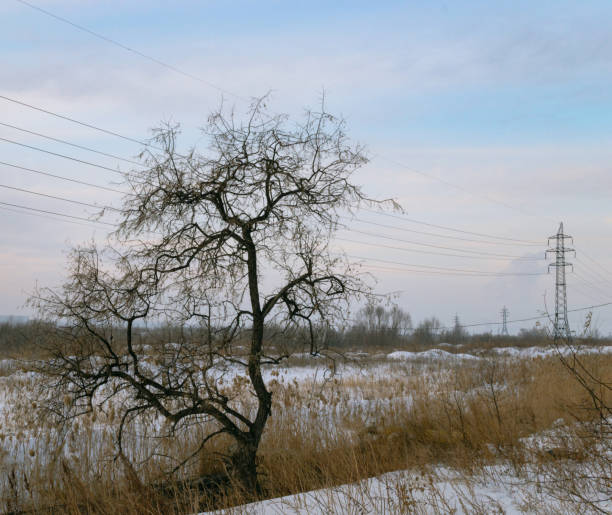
point(508, 101)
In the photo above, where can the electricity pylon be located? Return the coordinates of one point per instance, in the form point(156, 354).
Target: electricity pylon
point(504, 314)
point(561, 325)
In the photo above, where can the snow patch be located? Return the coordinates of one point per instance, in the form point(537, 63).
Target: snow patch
point(432, 354)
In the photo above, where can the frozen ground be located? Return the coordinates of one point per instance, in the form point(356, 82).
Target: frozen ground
point(432, 354)
point(497, 490)
point(439, 490)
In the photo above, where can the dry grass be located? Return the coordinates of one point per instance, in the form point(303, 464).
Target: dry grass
point(378, 418)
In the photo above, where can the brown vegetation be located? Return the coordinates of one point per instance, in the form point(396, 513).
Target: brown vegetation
point(465, 416)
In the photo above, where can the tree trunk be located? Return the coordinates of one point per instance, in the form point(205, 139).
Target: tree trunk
point(242, 466)
point(243, 459)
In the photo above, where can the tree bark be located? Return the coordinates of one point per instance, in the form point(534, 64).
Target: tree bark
point(244, 459)
point(243, 466)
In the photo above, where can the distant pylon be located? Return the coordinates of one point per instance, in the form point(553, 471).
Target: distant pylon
point(504, 314)
point(561, 325)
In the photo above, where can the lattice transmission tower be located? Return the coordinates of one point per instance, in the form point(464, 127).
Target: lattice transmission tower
point(504, 314)
point(561, 327)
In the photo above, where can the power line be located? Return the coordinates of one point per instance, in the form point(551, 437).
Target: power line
point(586, 280)
point(587, 293)
point(149, 145)
point(476, 272)
point(540, 317)
point(223, 90)
point(60, 177)
point(129, 49)
point(35, 212)
point(404, 229)
point(416, 271)
point(469, 251)
point(113, 156)
point(479, 255)
point(78, 122)
point(55, 213)
point(430, 269)
point(446, 228)
point(590, 283)
point(90, 224)
point(63, 199)
point(593, 273)
point(479, 324)
point(456, 186)
point(395, 227)
point(95, 206)
point(607, 272)
point(124, 174)
point(404, 249)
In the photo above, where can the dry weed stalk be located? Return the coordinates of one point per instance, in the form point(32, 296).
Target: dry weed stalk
point(362, 423)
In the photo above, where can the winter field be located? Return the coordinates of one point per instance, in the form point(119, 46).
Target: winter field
point(444, 430)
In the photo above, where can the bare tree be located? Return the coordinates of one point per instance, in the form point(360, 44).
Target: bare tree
point(401, 321)
point(384, 324)
point(427, 332)
point(229, 242)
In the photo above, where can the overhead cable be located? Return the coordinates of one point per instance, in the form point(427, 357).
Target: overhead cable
point(605, 270)
point(591, 270)
point(477, 272)
point(63, 156)
point(46, 136)
point(590, 283)
point(63, 199)
point(78, 122)
point(129, 49)
point(55, 213)
point(589, 294)
point(404, 249)
point(447, 228)
point(404, 229)
point(40, 215)
point(60, 177)
point(443, 247)
point(223, 90)
point(404, 269)
point(585, 308)
point(458, 187)
point(426, 233)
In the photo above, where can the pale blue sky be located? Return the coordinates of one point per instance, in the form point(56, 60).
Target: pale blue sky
point(509, 100)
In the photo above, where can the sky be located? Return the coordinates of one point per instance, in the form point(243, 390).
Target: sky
point(486, 117)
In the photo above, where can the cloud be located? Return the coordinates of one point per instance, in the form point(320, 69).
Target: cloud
point(429, 91)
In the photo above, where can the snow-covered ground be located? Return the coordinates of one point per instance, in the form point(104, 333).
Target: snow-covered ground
point(508, 352)
point(432, 354)
point(496, 489)
point(544, 352)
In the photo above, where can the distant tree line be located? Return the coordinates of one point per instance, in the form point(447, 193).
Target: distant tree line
point(374, 325)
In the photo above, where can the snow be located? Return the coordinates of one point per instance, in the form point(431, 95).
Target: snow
point(432, 354)
point(440, 490)
point(544, 352)
point(509, 352)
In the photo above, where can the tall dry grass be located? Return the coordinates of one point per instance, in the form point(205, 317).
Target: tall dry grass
point(378, 418)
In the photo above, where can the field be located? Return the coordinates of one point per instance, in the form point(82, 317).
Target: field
point(447, 429)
